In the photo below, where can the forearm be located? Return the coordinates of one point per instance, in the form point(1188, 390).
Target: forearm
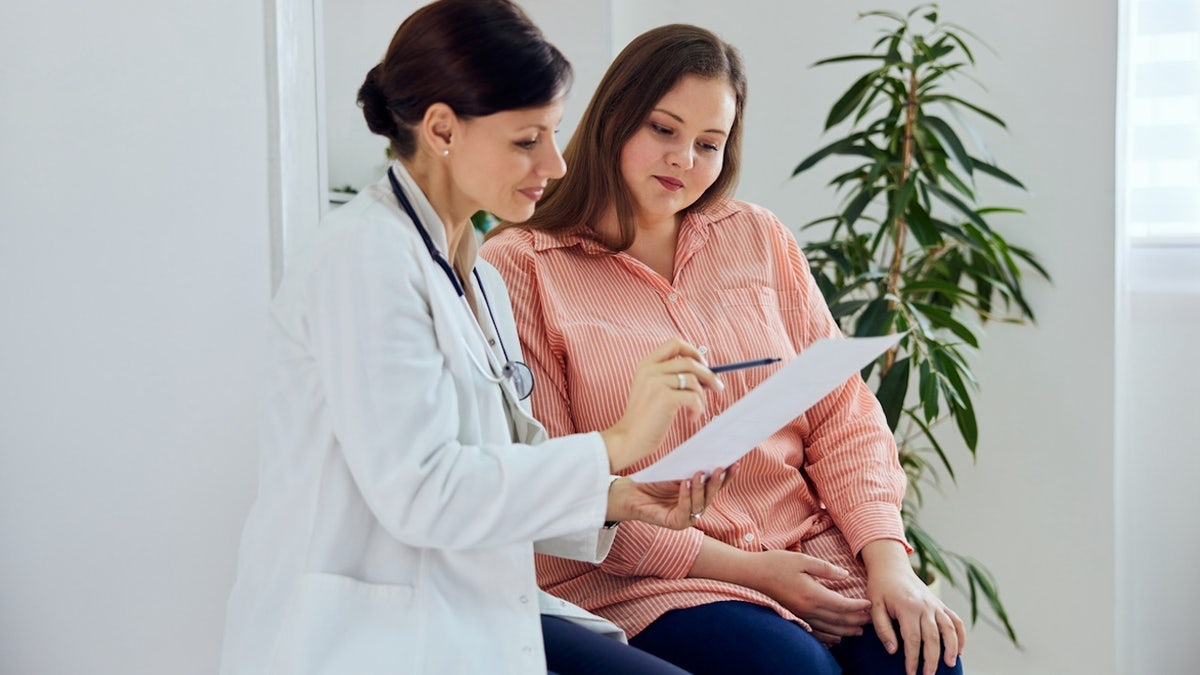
point(720, 561)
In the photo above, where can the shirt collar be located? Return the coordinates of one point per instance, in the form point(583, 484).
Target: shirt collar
point(699, 222)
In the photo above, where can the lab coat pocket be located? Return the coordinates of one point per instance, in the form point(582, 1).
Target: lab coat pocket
point(340, 625)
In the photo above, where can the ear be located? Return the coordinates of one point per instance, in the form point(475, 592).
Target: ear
point(439, 127)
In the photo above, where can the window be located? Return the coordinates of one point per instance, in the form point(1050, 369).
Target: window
point(1162, 123)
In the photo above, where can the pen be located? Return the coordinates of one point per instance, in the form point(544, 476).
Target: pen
point(744, 364)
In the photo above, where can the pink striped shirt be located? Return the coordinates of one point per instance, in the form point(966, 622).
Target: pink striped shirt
point(826, 484)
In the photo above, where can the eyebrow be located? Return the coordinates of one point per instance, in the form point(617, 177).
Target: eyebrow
point(679, 119)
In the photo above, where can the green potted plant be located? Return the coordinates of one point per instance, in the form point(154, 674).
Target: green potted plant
point(910, 250)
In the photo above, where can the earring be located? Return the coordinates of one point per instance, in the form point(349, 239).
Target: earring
point(446, 152)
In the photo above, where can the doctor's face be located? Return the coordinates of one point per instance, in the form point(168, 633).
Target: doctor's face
point(501, 162)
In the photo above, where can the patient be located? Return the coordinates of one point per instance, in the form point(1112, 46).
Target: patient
point(802, 566)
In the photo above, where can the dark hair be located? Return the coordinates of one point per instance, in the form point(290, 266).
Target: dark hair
point(641, 75)
point(477, 56)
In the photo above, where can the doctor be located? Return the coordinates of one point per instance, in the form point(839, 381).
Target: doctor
point(402, 481)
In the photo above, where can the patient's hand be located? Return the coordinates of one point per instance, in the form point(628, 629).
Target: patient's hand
point(669, 504)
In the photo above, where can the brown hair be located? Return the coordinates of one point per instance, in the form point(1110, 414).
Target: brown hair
point(477, 56)
point(638, 78)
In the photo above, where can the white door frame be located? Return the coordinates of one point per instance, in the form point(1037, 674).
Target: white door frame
point(298, 179)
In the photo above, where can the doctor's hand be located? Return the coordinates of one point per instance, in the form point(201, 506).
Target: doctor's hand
point(672, 504)
point(671, 378)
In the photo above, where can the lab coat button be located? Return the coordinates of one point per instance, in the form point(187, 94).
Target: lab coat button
point(492, 341)
point(527, 649)
point(524, 599)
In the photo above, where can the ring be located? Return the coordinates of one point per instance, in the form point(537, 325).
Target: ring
point(682, 381)
point(696, 516)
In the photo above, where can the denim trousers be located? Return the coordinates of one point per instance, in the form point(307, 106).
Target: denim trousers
point(721, 638)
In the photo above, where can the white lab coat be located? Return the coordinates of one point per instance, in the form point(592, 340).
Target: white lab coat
point(393, 523)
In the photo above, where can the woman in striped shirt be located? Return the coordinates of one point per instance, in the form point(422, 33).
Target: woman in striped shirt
point(799, 566)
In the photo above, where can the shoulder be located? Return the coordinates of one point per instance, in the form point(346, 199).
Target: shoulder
point(735, 216)
point(508, 241)
point(729, 212)
point(523, 248)
point(368, 230)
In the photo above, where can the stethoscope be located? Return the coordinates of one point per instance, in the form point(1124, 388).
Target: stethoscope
point(515, 372)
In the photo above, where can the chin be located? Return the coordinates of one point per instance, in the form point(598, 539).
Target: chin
point(514, 215)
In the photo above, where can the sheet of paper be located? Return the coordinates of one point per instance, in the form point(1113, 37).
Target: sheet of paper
point(806, 379)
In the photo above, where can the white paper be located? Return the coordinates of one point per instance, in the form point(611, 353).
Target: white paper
point(806, 379)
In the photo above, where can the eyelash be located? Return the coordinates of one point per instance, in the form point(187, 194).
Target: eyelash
point(665, 131)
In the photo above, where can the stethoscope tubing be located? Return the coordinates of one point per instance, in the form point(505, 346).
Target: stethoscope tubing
point(509, 371)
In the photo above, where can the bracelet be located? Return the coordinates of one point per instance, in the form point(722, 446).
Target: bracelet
point(610, 524)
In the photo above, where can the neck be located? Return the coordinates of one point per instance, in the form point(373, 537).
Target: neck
point(654, 242)
point(453, 210)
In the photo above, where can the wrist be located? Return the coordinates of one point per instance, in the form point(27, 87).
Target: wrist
point(885, 554)
point(617, 492)
point(720, 561)
point(615, 443)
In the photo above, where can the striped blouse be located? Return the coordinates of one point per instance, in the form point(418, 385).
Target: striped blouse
point(826, 484)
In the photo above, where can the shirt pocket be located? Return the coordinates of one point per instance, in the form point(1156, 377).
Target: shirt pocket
point(341, 625)
point(755, 322)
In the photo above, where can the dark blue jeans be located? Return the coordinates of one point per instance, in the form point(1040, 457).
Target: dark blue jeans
point(575, 650)
point(741, 637)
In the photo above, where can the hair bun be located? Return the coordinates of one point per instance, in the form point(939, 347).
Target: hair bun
point(374, 103)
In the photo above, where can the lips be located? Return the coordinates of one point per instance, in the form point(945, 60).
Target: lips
point(669, 183)
point(534, 193)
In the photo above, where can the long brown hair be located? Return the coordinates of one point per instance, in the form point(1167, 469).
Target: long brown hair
point(649, 67)
point(477, 56)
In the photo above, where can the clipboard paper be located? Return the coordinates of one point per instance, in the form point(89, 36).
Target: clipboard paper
point(782, 397)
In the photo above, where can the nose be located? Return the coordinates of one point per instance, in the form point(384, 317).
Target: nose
point(682, 156)
point(553, 165)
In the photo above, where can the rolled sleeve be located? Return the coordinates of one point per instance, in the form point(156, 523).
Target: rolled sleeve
point(871, 521)
point(645, 550)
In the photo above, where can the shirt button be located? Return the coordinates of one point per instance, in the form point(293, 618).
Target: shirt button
point(672, 297)
point(703, 349)
point(524, 599)
point(749, 537)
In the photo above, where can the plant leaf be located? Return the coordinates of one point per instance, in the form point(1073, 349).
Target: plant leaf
point(836, 147)
point(995, 172)
point(950, 139)
point(893, 388)
point(850, 57)
point(928, 433)
point(850, 100)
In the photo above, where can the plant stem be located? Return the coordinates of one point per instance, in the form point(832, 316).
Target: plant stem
point(900, 232)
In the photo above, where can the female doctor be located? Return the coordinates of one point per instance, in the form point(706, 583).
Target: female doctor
point(402, 480)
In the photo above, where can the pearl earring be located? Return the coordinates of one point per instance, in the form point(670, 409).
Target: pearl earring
point(446, 152)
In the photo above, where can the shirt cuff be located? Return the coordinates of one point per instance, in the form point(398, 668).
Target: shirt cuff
point(871, 521)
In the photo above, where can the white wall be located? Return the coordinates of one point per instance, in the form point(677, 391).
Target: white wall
point(1038, 509)
point(134, 279)
point(133, 286)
